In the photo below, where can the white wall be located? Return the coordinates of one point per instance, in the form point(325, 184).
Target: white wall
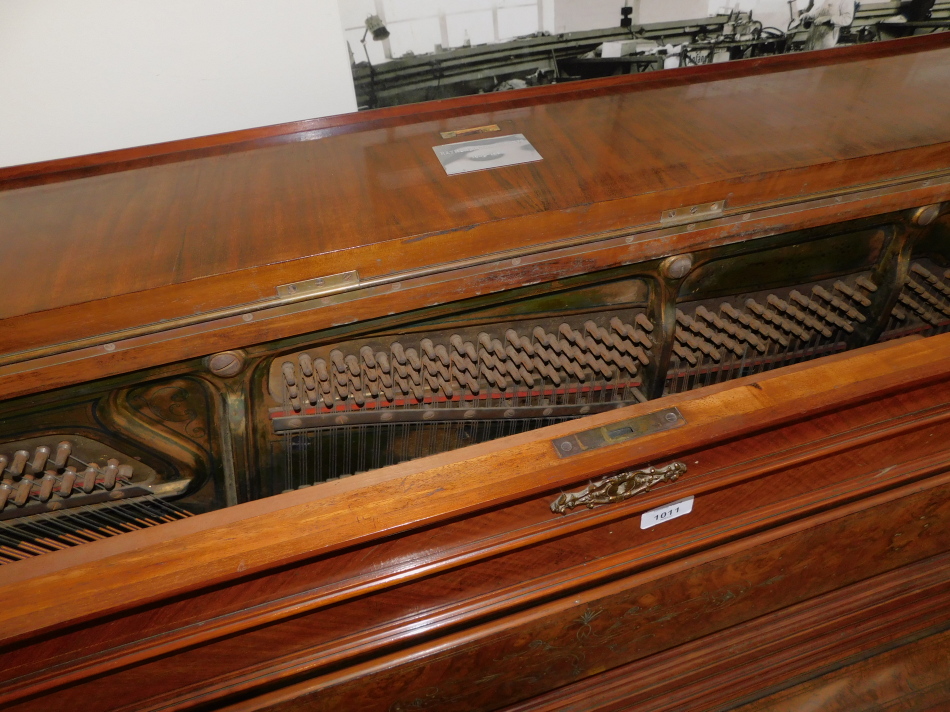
point(666, 10)
point(82, 76)
point(417, 26)
point(577, 15)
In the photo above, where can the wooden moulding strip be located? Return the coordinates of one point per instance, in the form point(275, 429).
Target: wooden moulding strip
point(499, 601)
point(149, 565)
point(129, 350)
point(912, 675)
point(800, 641)
point(440, 647)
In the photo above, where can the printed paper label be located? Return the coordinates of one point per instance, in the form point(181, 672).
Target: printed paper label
point(468, 156)
point(666, 512)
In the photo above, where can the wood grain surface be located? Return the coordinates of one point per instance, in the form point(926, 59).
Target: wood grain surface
point(776, 658)
point(376, 199)
point(915, 676)
point(358, 594)
point(123, 572)
point(482, 668)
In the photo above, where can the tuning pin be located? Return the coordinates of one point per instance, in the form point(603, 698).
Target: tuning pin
point(109, 473)
point(89, 478)
point(66, 483)
point(643, 322)
point(464, 381)
point(517, 356)
point(336, 358)
point(568, 333)
point(546, 371)
point(290, 373)
point(341, 386)
point(371, 374)
point(446, 387)
point(23, 490)
point(306, 364)
point(498, 349)
point(40, 456)
point(63, 451)
point(352, 364)
point(20, 458)
point(46, 485)
point(577, 370)
point(500, 381)
point(398, 353)
point(3, 463)
point(368, 357)
point(6, 489)
point(464, 347)
point(851, 294)
point(685, 354)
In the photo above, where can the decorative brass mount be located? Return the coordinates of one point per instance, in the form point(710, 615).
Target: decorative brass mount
point(617, 488)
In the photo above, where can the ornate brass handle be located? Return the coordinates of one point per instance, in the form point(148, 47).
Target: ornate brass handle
point(617, 488)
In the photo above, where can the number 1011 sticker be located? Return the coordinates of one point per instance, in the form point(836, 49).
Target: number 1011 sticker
point(666, 512)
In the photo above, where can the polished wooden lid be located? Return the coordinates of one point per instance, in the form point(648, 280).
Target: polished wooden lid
point(98, 244)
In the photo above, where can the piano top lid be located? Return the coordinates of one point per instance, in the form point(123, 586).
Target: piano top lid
point(158, 233)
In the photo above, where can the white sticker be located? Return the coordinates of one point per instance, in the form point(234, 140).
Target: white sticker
point(482, 153)
point(666, 512)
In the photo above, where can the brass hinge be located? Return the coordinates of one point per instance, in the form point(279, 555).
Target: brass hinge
point(619, 432)
point(692, 213)
point(319, 285)
point(468, 132)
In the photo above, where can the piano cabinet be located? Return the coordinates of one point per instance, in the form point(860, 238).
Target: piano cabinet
point(576, 436)
point(816, 533)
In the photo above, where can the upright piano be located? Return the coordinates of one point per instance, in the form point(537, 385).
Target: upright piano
point(293, 419)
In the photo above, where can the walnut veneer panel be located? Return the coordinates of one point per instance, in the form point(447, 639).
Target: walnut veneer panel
point(806, 479)
point(860, 645)
point(134, 230)
point(915, 676)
